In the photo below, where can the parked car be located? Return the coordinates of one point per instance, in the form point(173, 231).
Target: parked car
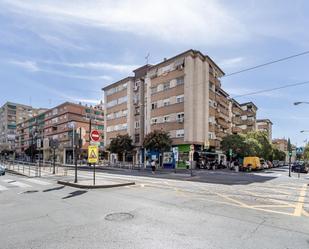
point(301, 168)
point(276, 163)
point(264, 164)
point(2, 170)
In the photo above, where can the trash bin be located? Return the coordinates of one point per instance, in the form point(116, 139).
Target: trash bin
point(236, 168)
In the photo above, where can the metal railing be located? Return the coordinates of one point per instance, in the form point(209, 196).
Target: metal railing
point(35, 169)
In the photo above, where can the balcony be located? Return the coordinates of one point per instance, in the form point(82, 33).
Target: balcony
point(224, 124)
point(236, 130)
point(237, 120)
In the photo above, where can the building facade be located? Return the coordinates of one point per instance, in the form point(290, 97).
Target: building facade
point(10, 115)
point(265, 125)
point(59, 124)
point(181, 95)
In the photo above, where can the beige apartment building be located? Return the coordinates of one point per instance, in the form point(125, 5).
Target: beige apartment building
point(57, 124)
point(10, 115)
point(181, 95)
point(265, 125)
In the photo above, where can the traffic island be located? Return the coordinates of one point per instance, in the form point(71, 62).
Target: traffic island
point(88, 184)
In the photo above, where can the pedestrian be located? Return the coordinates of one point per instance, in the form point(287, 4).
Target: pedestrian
point(153, 166)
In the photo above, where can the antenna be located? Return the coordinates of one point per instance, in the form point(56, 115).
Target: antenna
point(147, 58)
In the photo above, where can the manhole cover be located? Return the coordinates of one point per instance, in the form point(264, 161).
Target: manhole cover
point(29, 192)
point(119, 216)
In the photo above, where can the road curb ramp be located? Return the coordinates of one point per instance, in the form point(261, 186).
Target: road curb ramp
point(89, 186)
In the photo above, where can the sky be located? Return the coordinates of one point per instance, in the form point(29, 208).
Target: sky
point(53, 51)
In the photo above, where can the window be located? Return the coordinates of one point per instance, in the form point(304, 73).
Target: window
point(180, 117)
point(109, 128)
point(166, 102)
point(154, 120)
point(166, 119)
point(111, 103)
point(154, 105)
point(179, 98)
point(211, 119)
point(153, 90)
point(166, 86)
point(136, 138)
point(180, 133)
point(211, 135)
point(110, 116)
point(136, 124)
point(124, 113)
point(180, 81)
point(122, 100)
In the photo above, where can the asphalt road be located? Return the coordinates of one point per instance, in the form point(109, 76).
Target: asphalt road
point(215, 210)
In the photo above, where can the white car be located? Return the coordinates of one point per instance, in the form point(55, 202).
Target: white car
point(2, 170)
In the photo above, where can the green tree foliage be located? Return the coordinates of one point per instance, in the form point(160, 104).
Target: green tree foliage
point(266, 147)
point(158, 140)
point(278, 154)
point(251, 144)
point(252, 147)
point(121, 144)
point(235, 142)
point(306, 152)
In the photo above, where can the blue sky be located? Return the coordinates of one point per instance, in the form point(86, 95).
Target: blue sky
point(53, 51)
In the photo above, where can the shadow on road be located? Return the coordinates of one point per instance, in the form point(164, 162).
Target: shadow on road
point(75, 193)
point(53, 189)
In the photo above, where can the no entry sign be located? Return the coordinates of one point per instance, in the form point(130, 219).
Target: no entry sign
point(95, 136)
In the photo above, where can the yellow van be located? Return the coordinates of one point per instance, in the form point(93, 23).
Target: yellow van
point(251, 163)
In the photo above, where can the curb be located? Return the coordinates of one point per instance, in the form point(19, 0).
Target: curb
point(76, 185)
point(16, 173)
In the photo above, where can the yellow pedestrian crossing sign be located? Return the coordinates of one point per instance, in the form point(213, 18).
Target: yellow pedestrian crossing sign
point(93, 154)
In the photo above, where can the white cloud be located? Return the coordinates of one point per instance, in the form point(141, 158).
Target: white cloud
point(121, 68)
point(30, 66)
point(33, 66)
point(59, 42)
point(176, 21)
point(231, 62)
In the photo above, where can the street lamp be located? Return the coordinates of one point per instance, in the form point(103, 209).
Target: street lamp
point(301, 102)
point(304, 131)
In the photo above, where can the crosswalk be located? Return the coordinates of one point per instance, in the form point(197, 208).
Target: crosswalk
point(21, 183)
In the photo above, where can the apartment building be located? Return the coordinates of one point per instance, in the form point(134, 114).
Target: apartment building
point(59, 123)
point(10, 115)
point(237, 122)
point(282, 144)
point(181, 95)
point(248, 117)
point(265, 125)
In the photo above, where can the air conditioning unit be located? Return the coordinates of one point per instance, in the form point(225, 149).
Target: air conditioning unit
point(180, 120)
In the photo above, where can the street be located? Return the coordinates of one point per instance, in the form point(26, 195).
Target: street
point(157, 212)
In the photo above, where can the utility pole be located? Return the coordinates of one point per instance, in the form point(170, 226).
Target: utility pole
point(142, 118)
point(290, 155)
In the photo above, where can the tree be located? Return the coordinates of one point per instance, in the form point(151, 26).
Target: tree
point(235, 142)
point(278, 154)
point(266, 148)
point(158, 141)
point(122, 144)
point(252, 147)
point(306, 152)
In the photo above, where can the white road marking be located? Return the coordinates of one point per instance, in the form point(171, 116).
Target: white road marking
point(16, 183)
point(37, 181)
point(2, 188)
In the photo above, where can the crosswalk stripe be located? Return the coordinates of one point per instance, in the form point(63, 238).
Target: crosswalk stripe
point(2, 188)
point(37, 181)
point(16, 183)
